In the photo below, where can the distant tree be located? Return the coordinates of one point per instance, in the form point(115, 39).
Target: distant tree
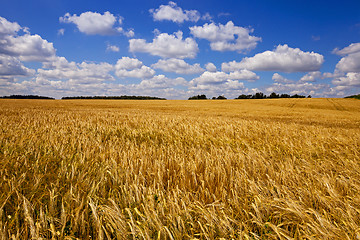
point(284, 95)
point(354, 96)
point(203, 96)
point(297, 96)
point(124, 97)
point(274, 95)
point(259, 95)
point(243, 96)
point(213, 98)
point(309, 96)
point(26, 97)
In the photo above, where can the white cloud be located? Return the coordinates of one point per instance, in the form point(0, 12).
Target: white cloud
point(166, 45)
point(26, 47)
point(218, 89)
point(351, 79)
point(226, 37)
point(280, 79)
point(211, 77)
point(160, 81)
point(283, 58)
point(60, 63)
point(206, 17)
point(92, 23)
point(210, 67)
point(352, 48)
point(172, 12)
point(112, 48)
point(128, 63)
point(302, 88)
point(60, 88)
point(222, 77)
point(6, 82)
point(129, 33)
point(178, 66)
point(11, 66)
point(312, 76)
point(132, 67)
point(349, 63)
point(80, 73)
point(8, 28)
point(61, 32)
point(243, 74)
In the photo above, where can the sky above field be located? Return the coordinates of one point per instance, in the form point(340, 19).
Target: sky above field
point(177, 49)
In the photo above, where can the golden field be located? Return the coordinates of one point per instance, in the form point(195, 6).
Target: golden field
point(206, 169)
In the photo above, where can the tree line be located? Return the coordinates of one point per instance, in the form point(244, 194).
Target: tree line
point(258, 95)
point(84, 97)
point(354, 96)
point(26, 97)
point(124, 97)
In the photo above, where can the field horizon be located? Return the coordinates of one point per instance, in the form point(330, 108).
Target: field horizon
point(180, 169)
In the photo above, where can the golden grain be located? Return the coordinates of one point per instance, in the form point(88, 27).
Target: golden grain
point(235, 169)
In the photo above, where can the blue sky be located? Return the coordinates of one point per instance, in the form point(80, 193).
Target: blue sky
point(177, 49)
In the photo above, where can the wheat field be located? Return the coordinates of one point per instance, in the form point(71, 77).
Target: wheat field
point(206, 169)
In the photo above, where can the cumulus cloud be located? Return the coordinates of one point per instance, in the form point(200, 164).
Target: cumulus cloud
point(160, 81)
point(211, 77)
point(302, 88)
point(11, 66)
point(166, 45)
point(312, 76)
point(172, 12)
point(222, 77)
point(112, 48)
point(26, 47)
point(280, 79)
point(8, 28)
point(226, 37)
point(221, 88)
point(347, 71)
point(93, 23)
point(61, 32)
point(60, 88)
point(132, 67)
point(283, 58)
point(210, 67)
point(60, 63)
point(349, 63)
point(352, 79)
point(352, 48)
point(178, 66)
point(84, 73)
point(243, 74)
point(348, 68)
point(129, 33)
